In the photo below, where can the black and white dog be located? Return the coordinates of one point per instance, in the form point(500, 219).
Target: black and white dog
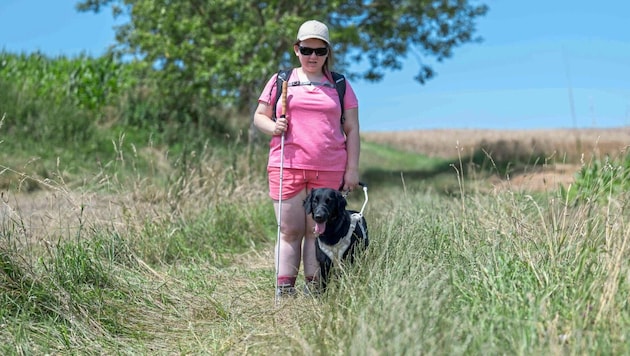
point(341, 233)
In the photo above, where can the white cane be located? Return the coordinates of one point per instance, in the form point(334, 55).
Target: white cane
point(283, 115)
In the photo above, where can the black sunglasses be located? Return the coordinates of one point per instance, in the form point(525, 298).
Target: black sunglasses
point(307, 51)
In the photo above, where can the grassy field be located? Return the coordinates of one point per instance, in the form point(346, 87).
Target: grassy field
point(151, 253)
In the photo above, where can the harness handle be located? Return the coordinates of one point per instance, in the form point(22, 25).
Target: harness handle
point(365, 189)
point(345, 193)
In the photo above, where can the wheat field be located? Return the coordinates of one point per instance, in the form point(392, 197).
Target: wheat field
point(572, 143)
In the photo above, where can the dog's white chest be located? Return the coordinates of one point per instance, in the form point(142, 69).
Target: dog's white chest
point(335, 252)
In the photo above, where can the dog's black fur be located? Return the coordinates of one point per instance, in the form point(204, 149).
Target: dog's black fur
point(329, 206)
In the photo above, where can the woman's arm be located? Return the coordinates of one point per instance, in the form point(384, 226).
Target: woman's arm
point(264, 123)
point(353, 146)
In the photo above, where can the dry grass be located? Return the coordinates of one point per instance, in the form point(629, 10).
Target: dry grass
point(577, 146)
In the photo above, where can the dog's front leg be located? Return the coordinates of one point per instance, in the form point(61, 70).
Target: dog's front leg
point(325, 272)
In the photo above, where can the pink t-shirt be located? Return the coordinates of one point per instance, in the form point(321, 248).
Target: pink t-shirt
point(315, 139)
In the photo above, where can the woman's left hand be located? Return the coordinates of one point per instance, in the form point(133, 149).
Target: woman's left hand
point(350, 179)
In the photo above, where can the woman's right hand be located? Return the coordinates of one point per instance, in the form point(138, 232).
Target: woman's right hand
point(282, 123)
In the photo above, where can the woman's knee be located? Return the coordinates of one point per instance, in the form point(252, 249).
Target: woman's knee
point(291, 232)
point(292, 224)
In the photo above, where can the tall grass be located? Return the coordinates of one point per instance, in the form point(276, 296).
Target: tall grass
point(160, 253)
point(88, 268)
point(500, 274)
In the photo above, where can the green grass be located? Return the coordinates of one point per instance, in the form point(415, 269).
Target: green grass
point(151, 253)
point(385, 158)
point(387, 167)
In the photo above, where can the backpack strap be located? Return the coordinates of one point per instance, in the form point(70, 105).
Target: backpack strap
point(340, 85)
point(283, 76)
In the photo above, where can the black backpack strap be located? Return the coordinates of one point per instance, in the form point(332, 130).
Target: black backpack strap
point(283, 76)
point(340, 85)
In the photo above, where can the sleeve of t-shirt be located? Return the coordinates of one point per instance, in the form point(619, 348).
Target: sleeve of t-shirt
point(350, 100)
point(268, 95)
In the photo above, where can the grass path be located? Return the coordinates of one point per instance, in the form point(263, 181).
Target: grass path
point(251, 322)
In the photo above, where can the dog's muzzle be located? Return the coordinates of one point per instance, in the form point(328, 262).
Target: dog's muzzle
point(320, 216)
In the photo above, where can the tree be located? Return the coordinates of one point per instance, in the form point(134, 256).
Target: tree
point(220, 52)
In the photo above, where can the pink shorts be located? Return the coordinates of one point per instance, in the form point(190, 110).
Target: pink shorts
point(295, 181)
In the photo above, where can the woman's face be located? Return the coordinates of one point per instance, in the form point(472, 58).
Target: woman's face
point(314, 61)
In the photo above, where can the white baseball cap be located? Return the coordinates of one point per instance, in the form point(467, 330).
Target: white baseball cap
point(313, 29)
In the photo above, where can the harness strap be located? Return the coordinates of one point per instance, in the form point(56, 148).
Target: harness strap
point(335, 252)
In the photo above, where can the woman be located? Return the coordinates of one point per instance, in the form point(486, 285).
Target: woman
point(319, 150)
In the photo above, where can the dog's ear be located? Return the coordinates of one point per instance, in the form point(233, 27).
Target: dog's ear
point(308, 203)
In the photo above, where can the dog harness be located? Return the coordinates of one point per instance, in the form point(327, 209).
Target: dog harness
point(335, 252)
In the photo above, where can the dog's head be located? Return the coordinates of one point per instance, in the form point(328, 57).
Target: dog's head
point(324, 204)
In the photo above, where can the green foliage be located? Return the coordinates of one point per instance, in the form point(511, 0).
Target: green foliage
point(600, 180)
point(38, 120)
point(61, 100)
point(85, 83)
point(208, 54)
point(59, 104)
point(194, 69)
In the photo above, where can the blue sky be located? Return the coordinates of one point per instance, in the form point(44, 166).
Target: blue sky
point(536, 56)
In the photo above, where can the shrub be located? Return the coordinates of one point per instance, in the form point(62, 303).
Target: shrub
point(510, 155)
point(601, 179)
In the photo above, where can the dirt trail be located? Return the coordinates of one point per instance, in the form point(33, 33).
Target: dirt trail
point(546, 179)
point(51, 214)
